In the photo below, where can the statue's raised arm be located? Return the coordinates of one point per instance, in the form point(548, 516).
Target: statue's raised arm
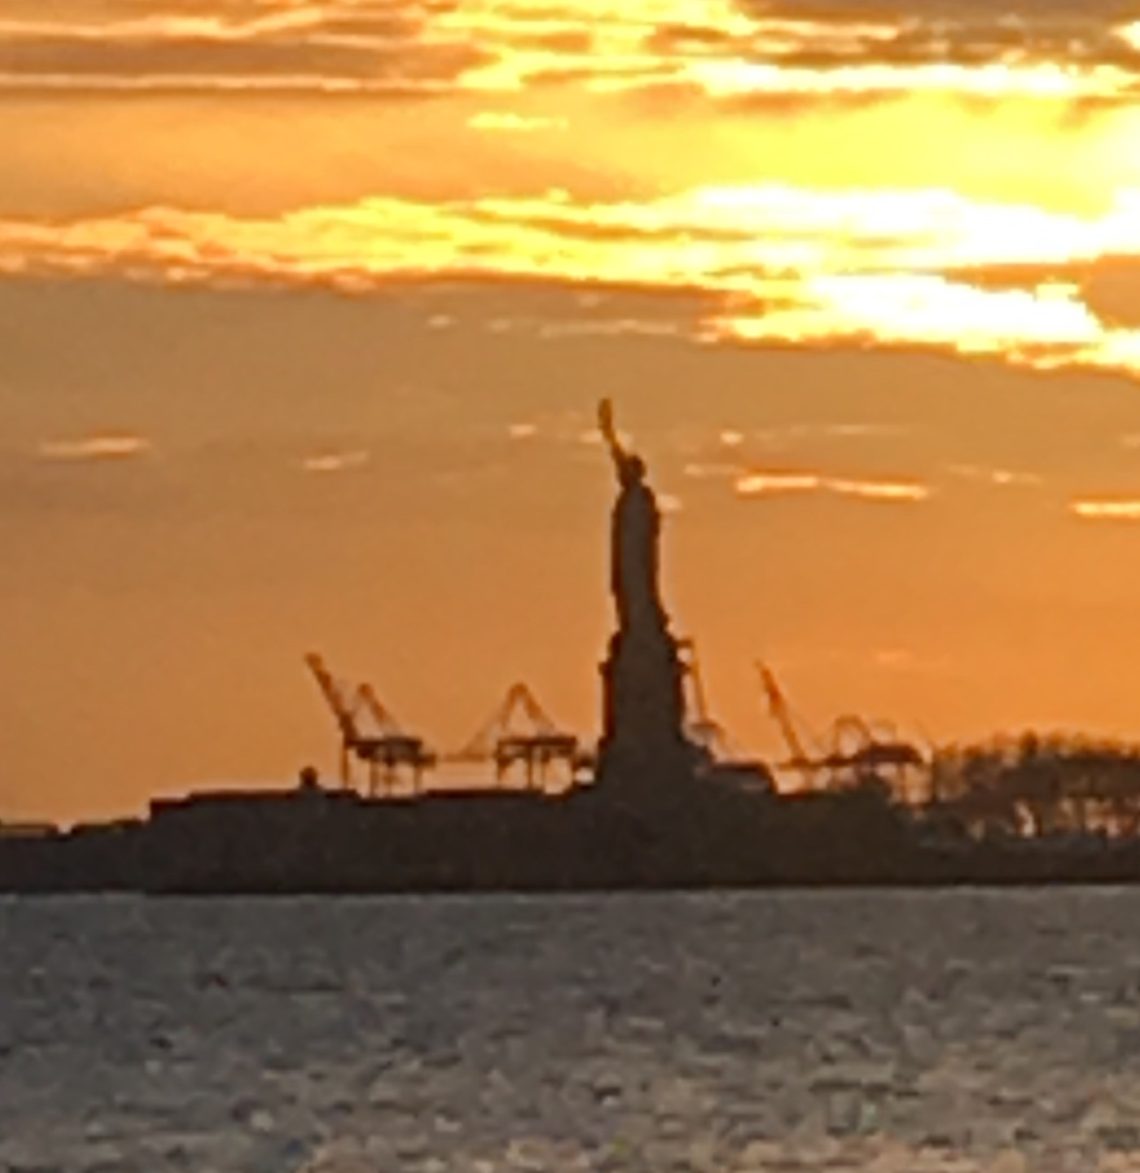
point(609, 433)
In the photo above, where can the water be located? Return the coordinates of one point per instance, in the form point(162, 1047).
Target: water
point(657, 1033)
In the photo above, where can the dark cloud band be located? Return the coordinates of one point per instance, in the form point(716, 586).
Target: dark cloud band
point(728, 51)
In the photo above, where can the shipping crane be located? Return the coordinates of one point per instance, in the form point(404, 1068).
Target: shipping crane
point(780, 712)
point(342, 710)
point(718, 757)
point(384, 747)
point(700, 727)
point(392, 747)
point(536, 748)
point(857, 754)
point(860, 754)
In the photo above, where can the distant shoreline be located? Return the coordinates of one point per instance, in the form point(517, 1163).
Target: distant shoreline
point(700, 838)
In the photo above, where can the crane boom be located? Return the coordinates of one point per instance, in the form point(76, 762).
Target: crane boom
point(333, 696)
point(500, 740)
point(383, 744)
point(779, 712)
point(520, 696)
point(498, 725)
point(341, 710)
point(385, 722)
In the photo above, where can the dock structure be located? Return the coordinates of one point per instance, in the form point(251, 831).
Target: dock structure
point(369, 733)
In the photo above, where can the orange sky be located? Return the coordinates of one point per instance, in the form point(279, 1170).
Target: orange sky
point(305, 306)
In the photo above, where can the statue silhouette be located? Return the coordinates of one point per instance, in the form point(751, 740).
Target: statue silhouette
point(643, 744)
point(635, 536)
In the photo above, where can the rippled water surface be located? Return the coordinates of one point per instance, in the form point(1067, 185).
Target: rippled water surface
point(762, 1031)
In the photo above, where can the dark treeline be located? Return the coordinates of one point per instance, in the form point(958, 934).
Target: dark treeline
point(1036, 785)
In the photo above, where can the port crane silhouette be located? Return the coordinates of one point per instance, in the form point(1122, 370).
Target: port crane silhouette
point(520, 733)
point(780, 711)
point(719, 756)
point(701, 727)
point(858, 754)
point(383, 745)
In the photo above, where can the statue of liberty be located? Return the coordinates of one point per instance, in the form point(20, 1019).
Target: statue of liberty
point(643, 705)
point(635, 536)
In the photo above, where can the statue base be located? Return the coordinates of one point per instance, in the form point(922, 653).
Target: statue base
point(644, 752)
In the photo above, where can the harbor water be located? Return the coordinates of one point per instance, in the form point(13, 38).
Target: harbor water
point(719, 1032)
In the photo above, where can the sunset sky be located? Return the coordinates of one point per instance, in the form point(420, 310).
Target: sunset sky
point(305, 306)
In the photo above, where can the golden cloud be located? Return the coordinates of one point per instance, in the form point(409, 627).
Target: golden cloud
point(1130, 35)
point(773, 264)
point(1000, 477)
point(1106, 509)
point(322, 47)
point(760, 484)
point(725, 49)
point(332, 462)
point(505, 121)
point(898, 491)
point(106, 447)
point(717, 49)
point(766, 484)
point(701, 470)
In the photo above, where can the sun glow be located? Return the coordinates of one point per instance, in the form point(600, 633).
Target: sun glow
point(775, 264)
point(1130, 34)
point(724, 51)
point(993, 80)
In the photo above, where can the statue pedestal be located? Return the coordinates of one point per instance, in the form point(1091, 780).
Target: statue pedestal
point(644, 750)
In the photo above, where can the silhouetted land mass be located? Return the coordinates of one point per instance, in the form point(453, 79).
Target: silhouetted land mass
point(312, 840)
point(660, 810)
